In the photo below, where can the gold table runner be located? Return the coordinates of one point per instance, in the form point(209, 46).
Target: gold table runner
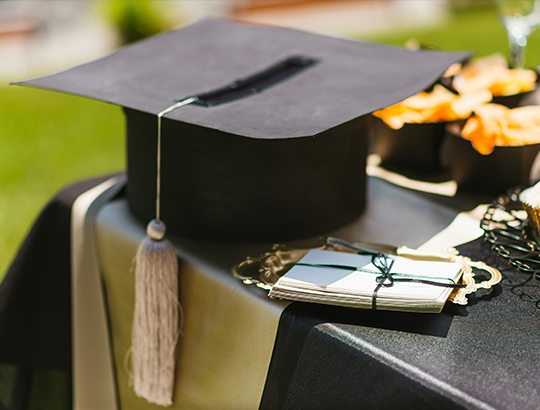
point(229, 328)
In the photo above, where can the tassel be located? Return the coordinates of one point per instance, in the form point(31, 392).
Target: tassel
point(155, 328)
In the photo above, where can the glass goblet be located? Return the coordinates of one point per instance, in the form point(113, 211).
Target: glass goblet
point(520, 18)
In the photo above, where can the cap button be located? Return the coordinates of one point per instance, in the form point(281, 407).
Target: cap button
point(156, 229)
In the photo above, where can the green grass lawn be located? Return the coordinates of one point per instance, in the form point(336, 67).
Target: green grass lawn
point(49, 140)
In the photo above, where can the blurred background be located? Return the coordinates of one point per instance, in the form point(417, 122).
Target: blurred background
point(48, 140)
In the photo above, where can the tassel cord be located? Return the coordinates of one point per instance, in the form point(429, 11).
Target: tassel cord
point(167, 110)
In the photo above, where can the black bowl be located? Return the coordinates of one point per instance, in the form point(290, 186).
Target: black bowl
point(504, 168)
point(511, 101)
point(415, 147)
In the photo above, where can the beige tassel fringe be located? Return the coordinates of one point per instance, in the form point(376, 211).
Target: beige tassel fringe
point(155, 328)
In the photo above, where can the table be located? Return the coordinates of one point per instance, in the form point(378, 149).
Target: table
point(243, 350)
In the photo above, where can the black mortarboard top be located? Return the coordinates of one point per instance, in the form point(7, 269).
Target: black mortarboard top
point(279, 154)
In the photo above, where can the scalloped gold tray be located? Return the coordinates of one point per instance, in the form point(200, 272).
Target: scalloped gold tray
point(281, 258)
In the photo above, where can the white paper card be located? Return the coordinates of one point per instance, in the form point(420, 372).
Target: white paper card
point(363, 281)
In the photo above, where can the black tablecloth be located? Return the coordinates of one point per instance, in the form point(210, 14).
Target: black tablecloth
point(480, 356)
point(35, 311)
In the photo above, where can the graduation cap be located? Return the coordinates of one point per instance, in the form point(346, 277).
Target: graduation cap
point(274, 142)
point(252, 134)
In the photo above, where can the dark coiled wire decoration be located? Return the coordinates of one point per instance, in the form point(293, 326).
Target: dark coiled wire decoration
point(506, 228)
